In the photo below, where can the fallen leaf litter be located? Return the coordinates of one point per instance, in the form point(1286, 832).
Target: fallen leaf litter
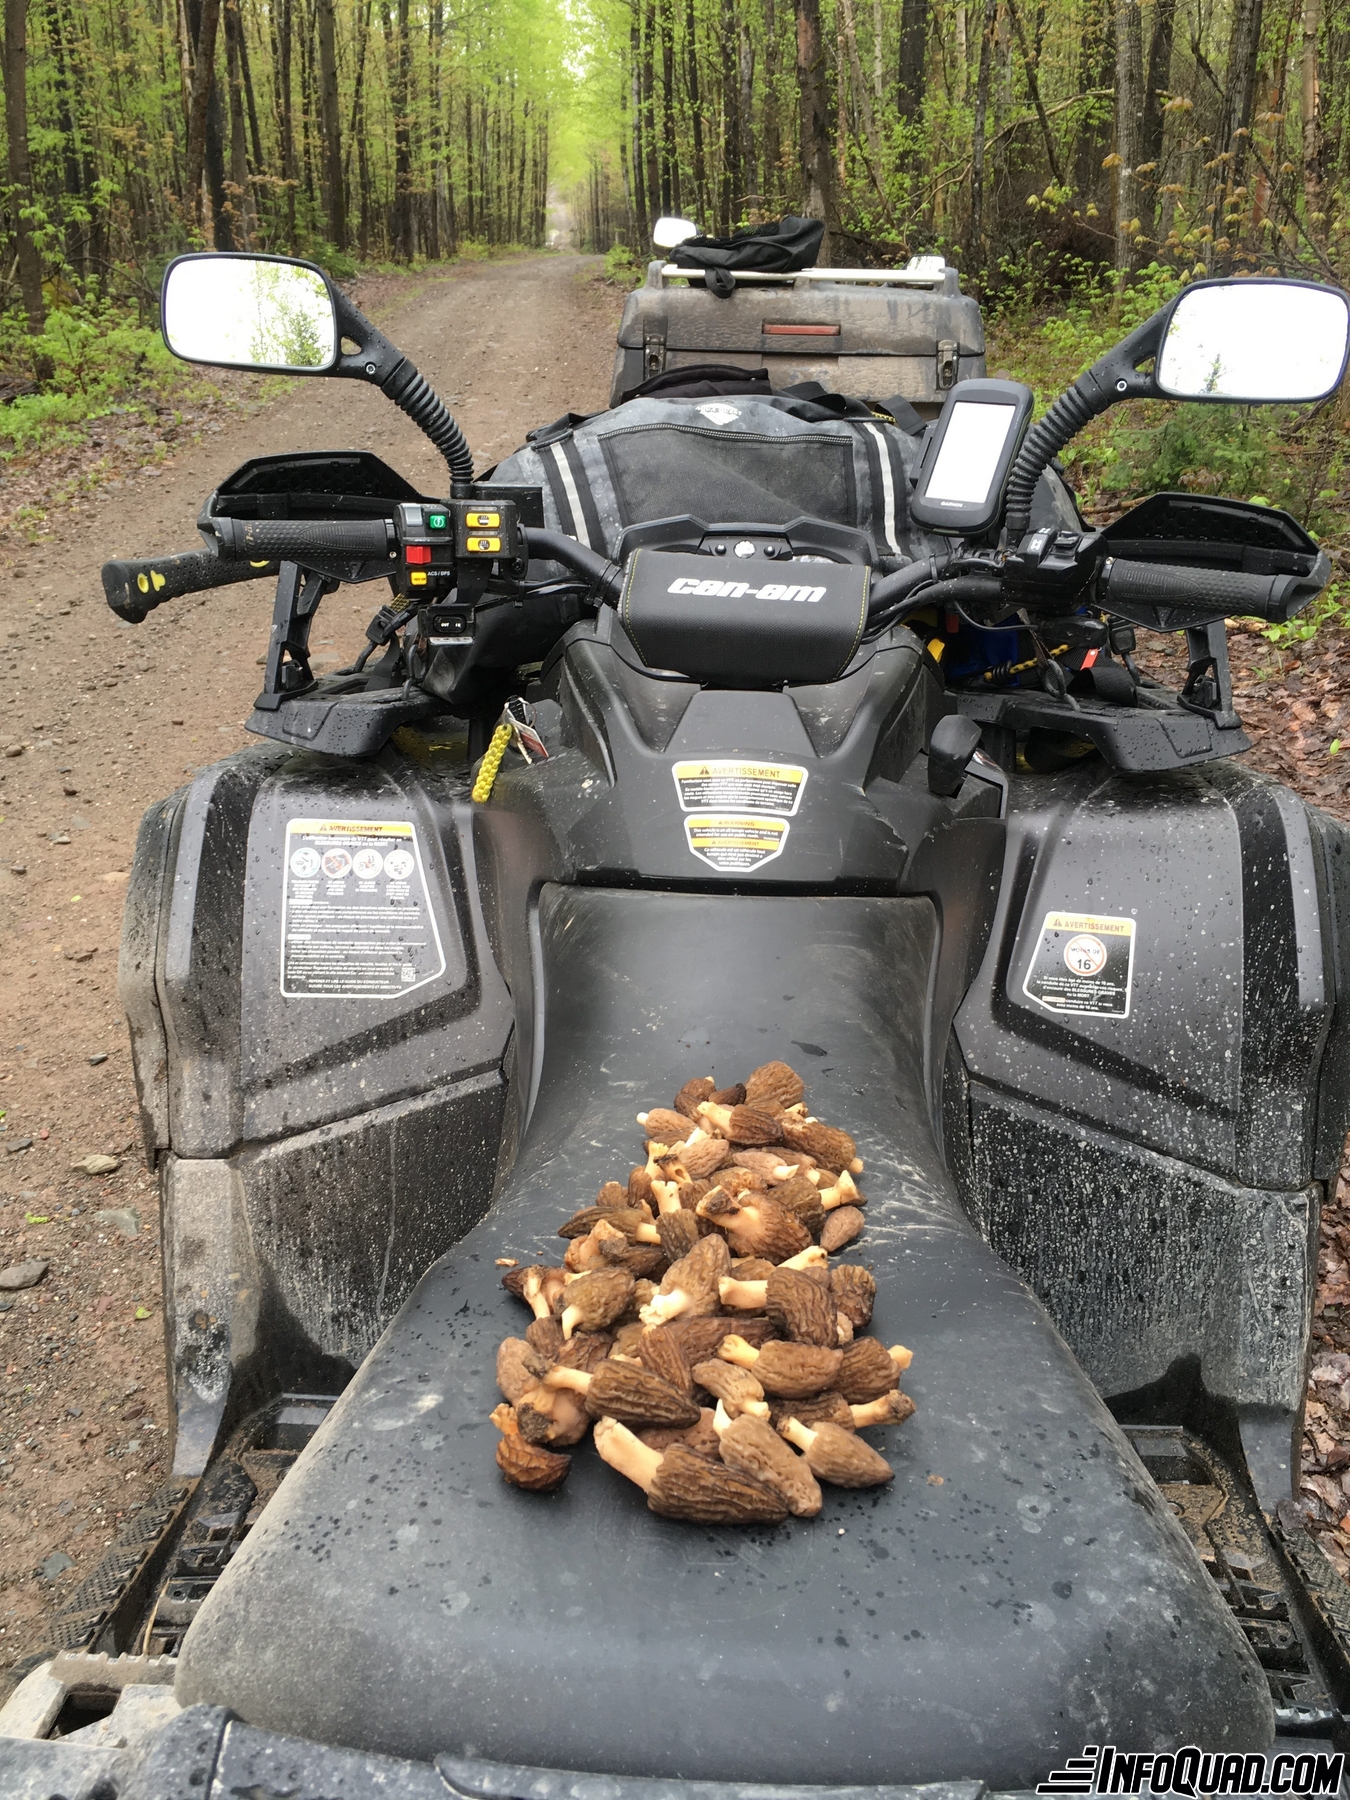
point(696, 1322)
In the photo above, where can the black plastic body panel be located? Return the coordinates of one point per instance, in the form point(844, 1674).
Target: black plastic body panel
point(908, 1633)
point(301, 1143)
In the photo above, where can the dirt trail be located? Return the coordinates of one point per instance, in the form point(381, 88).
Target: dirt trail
point(109, 717)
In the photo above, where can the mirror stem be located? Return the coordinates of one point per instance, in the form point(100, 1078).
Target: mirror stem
point(387, 368)
point(1115, 377)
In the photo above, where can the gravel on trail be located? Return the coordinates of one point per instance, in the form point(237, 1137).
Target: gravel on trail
point(98, 719)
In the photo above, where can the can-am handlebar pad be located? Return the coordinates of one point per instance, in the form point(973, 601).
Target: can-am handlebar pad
point(138, 585)
point(297, 540)
point(1274, 597)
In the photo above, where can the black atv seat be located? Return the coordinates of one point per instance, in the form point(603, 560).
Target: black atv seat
point(1018, 1591)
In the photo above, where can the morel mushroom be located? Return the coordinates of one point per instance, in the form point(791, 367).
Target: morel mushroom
point(545, 1336)
point(689, 1286)
point(827, 1147)
point(814, 1408)
point(842, 1226)
point(690, 1096)
point(661, 1353)
point(523, 1464)
point(519, 1367)
point(701, 1437)
point(540, 1287)
point(842, 1191)
point(755, 1224)
point(802, 1309)
point(596, 1300)
point(750, 1125)
point(853, 1289)
point(701, 1155)
point(837, 1456)
point(869, 1369)
point(627, 1392)
point(752, 1448)
point(735, 1389)
point(664, 1126)
point(774, 1081)
point(551, 1416)
point(787, 1370)
point(681, 1484)
point(679, 1233)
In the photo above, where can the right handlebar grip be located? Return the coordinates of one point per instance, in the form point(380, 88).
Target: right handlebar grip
point(138, 585)
point(1222, 591)
point(296, 540)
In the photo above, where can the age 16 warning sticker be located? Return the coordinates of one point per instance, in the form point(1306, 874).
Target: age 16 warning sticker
point(355, 919)
point(1084, 963)
point(732, 843)
point(733, 784)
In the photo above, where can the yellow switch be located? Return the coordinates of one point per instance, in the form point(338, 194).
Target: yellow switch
point(483, 521)
point(418, 577)
point(485, 546)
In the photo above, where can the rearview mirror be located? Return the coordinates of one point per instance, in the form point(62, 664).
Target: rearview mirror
point(1254, 340)
point(249, 312)
point(666, 233)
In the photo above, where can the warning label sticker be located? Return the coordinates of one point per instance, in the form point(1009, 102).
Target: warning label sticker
point(355, 919)
point(732, 842)
point(735, 783)
point(1083, 963)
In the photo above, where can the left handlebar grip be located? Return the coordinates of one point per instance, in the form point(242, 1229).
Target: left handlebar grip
point(298, 540)
point(138, 585)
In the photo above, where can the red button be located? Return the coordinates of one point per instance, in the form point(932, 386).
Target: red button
point(418, 553)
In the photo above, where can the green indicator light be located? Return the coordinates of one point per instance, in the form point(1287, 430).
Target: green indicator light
point(436, 521)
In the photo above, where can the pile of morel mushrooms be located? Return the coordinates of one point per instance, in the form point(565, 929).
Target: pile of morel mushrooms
point(699, 1325)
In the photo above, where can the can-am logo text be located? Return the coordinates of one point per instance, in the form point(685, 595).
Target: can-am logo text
point(737, 590)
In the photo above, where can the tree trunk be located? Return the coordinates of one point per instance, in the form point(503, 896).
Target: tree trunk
point(670, 167)
point(979, 126)
point(1312, 123)
point(1029, 60)
point(20, 164)
point(732, 185)
point(334, 188)
point(1129, 98)
point(73, 167)
point(1156, 84)
point(700, 206)
point(290, 170)
point(203, 85)
point(239, 202)
point(642, 224)
point(814, 124)
point(1244, 46)
point(913, 55)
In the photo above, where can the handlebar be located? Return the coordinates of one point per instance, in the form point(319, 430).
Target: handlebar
point(295, 540)
point(138, 585)
point(1216, 591)
point(556, 546)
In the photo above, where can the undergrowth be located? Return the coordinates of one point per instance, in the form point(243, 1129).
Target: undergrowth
point(1296, 457)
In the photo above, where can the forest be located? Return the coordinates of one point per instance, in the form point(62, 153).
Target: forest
point(1039, 144)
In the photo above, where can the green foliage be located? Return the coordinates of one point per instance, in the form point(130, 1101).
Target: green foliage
point(622, 268)
point(101, 361)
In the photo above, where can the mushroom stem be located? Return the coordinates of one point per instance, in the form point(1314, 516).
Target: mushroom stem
point(891, 1409)
point(539, 1291)
point(722, 1418)
point(901, 1357)
point(625, 1451)
point(813, 1257)
point(842, 1193)
point(844, 1328)
point(735, 1350)
point(743, 1296)
point(576, 1379)
point(664, 1306)
point(667, 1195)
point(797, 1434)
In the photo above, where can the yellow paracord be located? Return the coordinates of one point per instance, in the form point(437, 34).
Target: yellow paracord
point(492, 761)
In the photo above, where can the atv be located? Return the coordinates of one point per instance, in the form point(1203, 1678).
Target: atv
point(746, 720)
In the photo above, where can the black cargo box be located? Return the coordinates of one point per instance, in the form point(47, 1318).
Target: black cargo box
point(873, 332)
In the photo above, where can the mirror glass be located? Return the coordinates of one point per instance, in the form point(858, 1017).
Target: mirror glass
point(1254, 340)
point(250, 312)
point(666, 233)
